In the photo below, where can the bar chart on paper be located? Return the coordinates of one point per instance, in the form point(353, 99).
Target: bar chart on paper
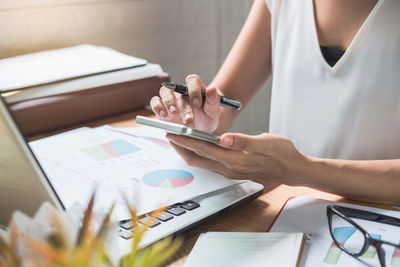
point(342, 234)
point(110, 150)
point(396, 257)
point(308, 215)
point(146, 134)
point(168, 178)
point(371, 252)
point(157, 141)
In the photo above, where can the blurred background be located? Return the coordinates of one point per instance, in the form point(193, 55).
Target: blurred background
point(183, 36)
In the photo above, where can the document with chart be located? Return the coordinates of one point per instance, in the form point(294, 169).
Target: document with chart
point(140, 165)
point(308, 215)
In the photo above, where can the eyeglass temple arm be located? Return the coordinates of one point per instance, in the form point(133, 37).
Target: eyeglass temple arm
point(370, 216)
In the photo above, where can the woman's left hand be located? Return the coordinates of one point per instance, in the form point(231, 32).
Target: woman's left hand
point(240, 156)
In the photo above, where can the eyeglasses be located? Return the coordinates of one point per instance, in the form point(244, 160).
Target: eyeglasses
point(355, 241)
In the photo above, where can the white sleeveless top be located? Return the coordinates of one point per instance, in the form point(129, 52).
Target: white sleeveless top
point(350, 110)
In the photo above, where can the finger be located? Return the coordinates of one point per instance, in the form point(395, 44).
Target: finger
point(186, 110)
point(195, 85)
point(211, 105)
point(169, 100)
point(205, 149)
point(158, 107)
point(244, 142)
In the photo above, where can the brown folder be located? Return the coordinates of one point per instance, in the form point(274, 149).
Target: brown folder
point(54, 112)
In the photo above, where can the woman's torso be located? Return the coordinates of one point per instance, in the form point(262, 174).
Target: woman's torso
point(350, 110)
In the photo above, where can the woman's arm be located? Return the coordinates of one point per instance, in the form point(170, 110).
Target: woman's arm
point(275, 158)
point(375, 181)
point(248, 65)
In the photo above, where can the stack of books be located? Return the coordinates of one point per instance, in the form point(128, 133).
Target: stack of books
point(59, 88)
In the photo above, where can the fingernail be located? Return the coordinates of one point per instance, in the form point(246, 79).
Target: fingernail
point(162, 113)
point(196, 102)
point(187, 116)
point(172, 108)
point(227, 141)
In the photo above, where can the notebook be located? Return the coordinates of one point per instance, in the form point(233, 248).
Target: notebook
point(236, 249)
point(62, 64)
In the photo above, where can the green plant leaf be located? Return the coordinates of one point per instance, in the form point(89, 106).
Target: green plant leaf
point(86, 222)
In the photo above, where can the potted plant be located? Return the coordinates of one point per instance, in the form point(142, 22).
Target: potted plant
point(87, 248)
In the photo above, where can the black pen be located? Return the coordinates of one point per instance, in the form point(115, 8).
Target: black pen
point(223, 101)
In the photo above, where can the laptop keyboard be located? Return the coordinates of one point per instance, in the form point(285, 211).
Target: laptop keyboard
point(180, 209)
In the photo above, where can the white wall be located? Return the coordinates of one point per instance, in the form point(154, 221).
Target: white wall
point(184, 36)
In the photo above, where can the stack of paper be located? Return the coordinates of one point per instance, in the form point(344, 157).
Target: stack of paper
point(68, 70)
point(61, 64)
point(77, 84)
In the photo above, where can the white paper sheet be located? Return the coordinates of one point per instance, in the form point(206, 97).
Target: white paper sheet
point(145, 168)
point(308, 215)
point(61, 64)
point(225, 249)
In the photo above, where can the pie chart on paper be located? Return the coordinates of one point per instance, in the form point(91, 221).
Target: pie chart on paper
point(168, 178)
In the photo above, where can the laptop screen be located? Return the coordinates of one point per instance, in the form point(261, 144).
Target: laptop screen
point(23, 184)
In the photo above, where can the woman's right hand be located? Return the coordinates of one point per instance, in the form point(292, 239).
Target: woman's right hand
point(189, 110)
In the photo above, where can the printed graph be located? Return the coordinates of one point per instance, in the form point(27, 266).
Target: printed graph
point(342, 234)
point(110, 150)
point(157, 141)
point(168, 178)
point(371, 252)
point(396, 257)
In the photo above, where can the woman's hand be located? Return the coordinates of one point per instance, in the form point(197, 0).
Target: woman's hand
point(240, 156)
point(189, 110)
point(275, 158)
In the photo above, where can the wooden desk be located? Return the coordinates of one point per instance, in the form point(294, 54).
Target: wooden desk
point(254, 216)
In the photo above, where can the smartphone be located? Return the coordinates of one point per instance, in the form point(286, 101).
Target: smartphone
point(180, 129)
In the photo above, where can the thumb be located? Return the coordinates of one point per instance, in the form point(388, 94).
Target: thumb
point(242, 142)
point(211, 104)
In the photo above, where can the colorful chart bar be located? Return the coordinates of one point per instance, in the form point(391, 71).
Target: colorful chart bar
point(157, 141)
point(371, 252)
point(109, 150)
point(396, 257)
point(342, 234)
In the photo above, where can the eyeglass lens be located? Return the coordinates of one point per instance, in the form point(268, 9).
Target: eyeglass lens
point(347, 235)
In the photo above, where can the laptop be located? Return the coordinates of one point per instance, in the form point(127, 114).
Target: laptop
point(24, 186)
